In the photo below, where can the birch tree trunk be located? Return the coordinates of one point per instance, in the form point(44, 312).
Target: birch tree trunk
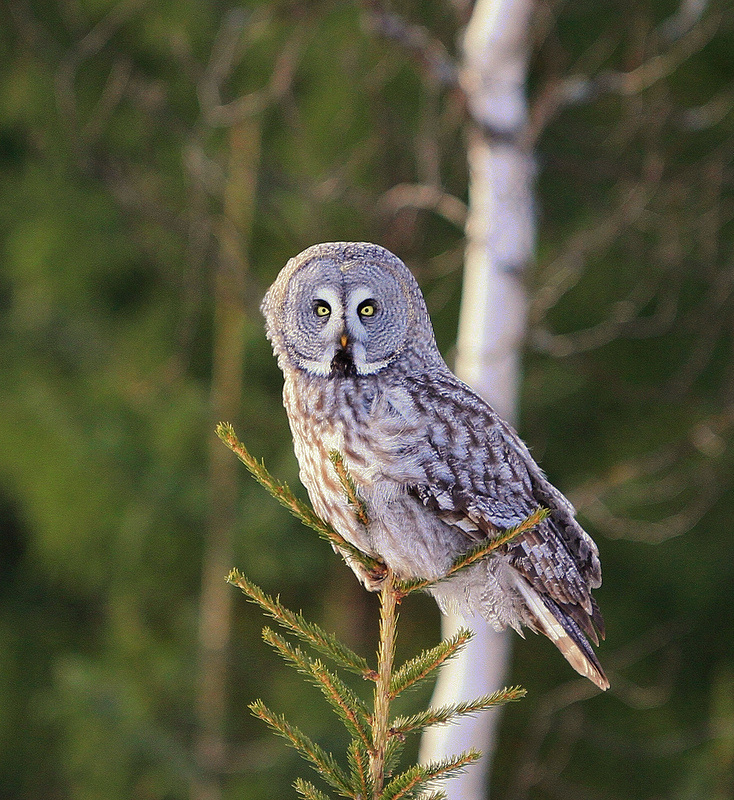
point(500, 241)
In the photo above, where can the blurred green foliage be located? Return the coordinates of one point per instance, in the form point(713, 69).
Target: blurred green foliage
point(116, 140)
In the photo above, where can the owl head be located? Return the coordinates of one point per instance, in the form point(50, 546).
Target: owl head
point(346, 308)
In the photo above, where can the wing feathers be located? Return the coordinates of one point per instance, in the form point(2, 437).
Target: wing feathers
point(565, 634)
point(477, 475)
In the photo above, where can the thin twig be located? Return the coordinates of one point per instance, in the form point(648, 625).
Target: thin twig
point(309, 632)
point(282, 493)
point(450, 712)
point(349, 487)
point(477, 553)
point(423, 664)
point(322, 761)
point(415, 39)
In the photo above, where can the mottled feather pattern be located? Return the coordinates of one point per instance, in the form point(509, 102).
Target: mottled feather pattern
point(436, 468)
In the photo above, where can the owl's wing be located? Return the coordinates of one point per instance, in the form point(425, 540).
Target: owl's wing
point(479, 473)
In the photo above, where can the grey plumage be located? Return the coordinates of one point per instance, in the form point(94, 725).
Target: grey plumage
point(435, 466)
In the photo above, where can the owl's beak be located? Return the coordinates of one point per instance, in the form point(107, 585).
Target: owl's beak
point(342, 364)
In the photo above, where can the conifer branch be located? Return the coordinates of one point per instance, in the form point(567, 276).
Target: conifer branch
point(308, 791)
point(448, 713)
point(359, 764)
point(393, 751)
point(416, 669)
point(376, 745)
point(408, 783)
point(282, 493)
point(350, 709)
point(322, 761)
point(479, 552)
point(322, 641)
point(448, 767)
point(350, 488)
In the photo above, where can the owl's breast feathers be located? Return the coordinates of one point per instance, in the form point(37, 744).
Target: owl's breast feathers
point(421, 439)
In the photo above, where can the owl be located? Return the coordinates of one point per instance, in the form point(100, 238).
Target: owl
point(435, 468)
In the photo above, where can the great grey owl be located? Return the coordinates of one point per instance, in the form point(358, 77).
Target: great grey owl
point(435, 467)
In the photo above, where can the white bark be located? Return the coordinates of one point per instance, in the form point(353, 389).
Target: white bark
point(500, 241)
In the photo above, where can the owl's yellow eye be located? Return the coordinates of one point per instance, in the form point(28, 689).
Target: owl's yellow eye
point(322, 308)
point(366, 308)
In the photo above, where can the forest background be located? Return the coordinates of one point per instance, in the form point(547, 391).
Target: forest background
point(159, 163)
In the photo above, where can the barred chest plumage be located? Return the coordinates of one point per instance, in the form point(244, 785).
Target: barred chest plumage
point(373, 430)
point(324, 418)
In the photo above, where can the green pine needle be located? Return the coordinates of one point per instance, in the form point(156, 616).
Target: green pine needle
point(359, 765)
point(482, 550)
point(350, 489)
point(411, 782)
point(418, 668)
point(322, 641)
point(308, 791)
point(283, 494)
point(406, 785)
point(451, 766)
point(450, 712)
point(393, 753)
point(323, 762)
point(349, 708)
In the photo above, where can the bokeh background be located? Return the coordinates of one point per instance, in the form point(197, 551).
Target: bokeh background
point(159, 162)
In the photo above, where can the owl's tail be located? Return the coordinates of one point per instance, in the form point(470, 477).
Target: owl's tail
point(564, 632)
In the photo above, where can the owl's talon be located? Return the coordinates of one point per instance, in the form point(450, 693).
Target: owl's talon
point(373, 584)
point(373, 578)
